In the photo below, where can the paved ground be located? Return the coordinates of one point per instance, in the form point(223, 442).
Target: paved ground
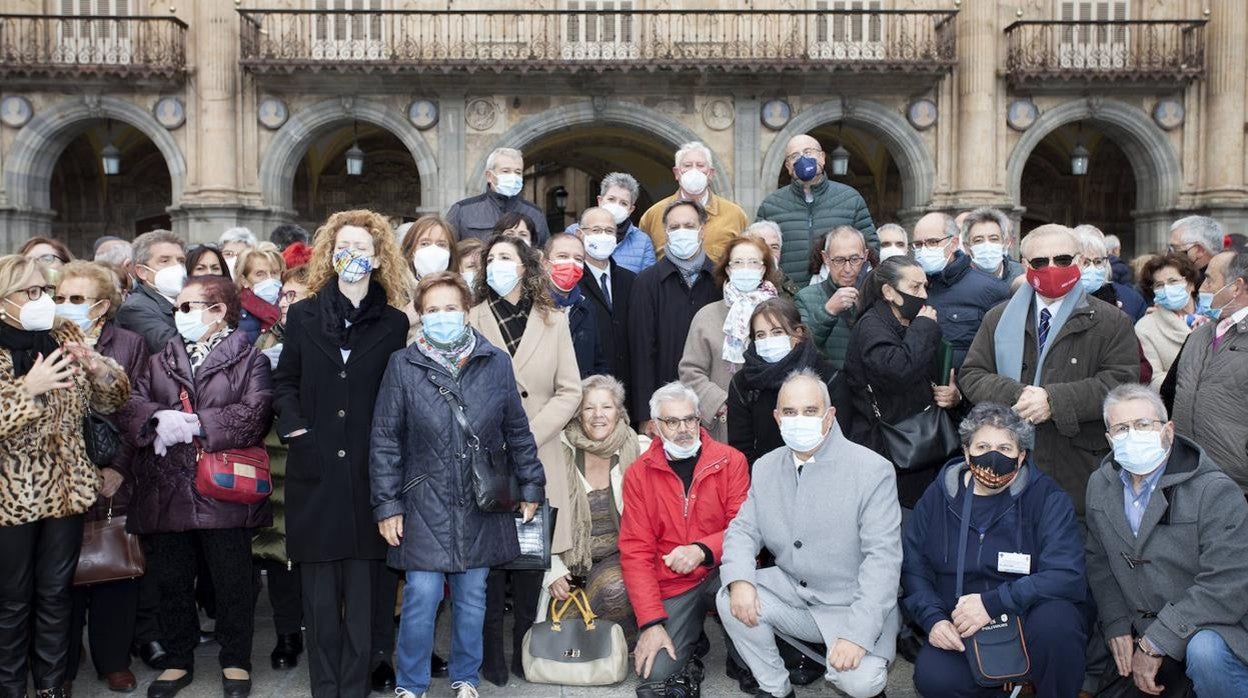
point(290, 684)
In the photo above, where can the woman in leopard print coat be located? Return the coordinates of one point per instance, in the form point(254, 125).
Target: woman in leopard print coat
point(48, 378)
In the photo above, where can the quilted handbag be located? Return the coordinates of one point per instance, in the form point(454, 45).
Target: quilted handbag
point(237, 475)
point(101, 438)
point(920, 441)
point(108, 553)
point(582, 652)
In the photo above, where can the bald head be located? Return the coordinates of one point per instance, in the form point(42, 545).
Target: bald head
point(597, 217)
point(1216, 270)
point(803, 394)
point(939, 230)
point(1049, 241)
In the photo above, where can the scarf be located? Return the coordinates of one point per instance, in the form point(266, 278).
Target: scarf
point(25, 345)
point(512, 319)
point(1011, 331)
point(337, 312)
point(199, 351)
point(760, 374)
point(737, 324)
point(566, 300)
point(451, 356)
point(622, 445)
point(267, 313)
point(689, 268)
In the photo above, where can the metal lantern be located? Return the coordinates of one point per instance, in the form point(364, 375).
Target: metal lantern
point(840, 161)
point(110, 158)
point(355, 156)
point(1079, 161)
point(561, 198)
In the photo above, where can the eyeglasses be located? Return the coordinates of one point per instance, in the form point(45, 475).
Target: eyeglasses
point(1119, 430)
point(934, 243)
point(1173, 250)
point(34, 293)
point(842, 261)
point(50, 258)
point(185, 307)
point(1093, 261)
point(746, 264)
point(809, 152)
point(1061, 260)
point(678, 422)
point(289, 296)
point(76, 300)
point(598, 231)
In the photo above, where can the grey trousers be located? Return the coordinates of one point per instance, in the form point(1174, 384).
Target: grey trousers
point(757, 646)
point(685, 615)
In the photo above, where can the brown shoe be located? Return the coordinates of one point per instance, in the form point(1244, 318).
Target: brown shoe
point(121, 681)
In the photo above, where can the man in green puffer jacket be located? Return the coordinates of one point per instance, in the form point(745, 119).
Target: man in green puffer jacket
point(811, 206)
point(829, 309)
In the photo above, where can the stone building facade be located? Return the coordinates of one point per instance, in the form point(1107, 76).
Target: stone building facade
point(229, 115)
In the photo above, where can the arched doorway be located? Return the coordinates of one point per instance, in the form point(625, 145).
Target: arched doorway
point(1105, 197)
point(89, 203)
point(389, 182)
point(872, 170)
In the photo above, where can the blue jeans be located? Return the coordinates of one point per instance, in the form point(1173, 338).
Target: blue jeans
point(1213, 668)
point(421, 597)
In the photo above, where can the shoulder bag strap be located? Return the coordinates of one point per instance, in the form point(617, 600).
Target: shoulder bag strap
point(875, 407)
point(457, 411)
point(185, 397)
point(967, 500)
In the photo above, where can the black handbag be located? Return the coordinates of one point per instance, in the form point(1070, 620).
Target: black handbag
point(102, 438)
point(535, 538)
point(918, 442)
point(494, 485)
point(997, 652)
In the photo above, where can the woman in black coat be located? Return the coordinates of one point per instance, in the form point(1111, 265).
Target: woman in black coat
point(336, 349)
point(892, 362)
point(423, 497)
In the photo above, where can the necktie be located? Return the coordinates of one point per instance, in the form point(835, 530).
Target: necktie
point(1042, 332)
point(606, 288)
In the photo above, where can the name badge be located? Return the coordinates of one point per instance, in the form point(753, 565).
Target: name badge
point(1014, 563)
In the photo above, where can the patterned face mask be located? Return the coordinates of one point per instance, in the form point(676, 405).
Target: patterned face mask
point(352, 266)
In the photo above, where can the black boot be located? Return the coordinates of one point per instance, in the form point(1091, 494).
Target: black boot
point(744, 677)
point(152, 653)
point(383, 678)
point(286, 654)
point(438, 666)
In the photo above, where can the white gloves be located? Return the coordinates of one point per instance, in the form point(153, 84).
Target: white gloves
point(174, 427)
point(273, 352)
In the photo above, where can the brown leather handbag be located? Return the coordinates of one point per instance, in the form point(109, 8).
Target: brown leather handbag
point(108, 554)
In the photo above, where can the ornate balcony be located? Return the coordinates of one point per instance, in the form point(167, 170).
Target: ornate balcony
point(1162, 51)
point(395, 41)
point(59, 46)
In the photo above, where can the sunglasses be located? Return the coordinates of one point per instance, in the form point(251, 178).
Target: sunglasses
point(185, 307)
point(1061, 260)
point(76, 300)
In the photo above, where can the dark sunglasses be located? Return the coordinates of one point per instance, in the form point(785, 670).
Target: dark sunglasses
point(1061, 260)
point(186, 306)
point(76, 300)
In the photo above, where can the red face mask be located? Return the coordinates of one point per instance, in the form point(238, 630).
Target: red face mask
point(566, 274)
point(1053, 281)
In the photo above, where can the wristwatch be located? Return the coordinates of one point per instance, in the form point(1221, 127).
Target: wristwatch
point(1146, 647)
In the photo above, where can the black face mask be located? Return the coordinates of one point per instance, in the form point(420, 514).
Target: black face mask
point(910, 306)
point(993, 469)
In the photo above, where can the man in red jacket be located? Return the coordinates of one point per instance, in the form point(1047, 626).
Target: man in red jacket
point(679, 497)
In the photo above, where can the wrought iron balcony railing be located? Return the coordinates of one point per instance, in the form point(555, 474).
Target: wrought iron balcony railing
point(72, 46)
point(603, 40)
point(1082, 51)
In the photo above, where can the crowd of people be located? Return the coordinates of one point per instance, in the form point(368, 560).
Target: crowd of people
point(852, 443)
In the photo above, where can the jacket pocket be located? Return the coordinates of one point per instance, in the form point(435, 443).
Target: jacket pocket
point(303, 461)
point(412, 483)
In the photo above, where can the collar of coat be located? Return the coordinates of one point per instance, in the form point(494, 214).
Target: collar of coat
point(712, 452)
point(1186, 460)
point(951, 478)
point(177, 361)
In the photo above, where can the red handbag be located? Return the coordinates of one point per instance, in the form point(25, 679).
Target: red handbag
point(238, 475)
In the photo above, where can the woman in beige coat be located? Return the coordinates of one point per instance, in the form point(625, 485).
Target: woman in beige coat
point(517, 314)
point(1171, 281)
point(720, 332)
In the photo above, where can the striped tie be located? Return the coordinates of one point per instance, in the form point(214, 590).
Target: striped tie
point(1042, 333)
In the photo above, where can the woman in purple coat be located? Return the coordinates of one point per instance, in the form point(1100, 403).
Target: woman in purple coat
point(230, 392)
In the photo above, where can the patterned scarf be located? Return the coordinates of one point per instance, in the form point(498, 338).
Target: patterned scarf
point(451, 356)
point(512, 319)
point(737, 324)
point(689, 268)
point(198, 351)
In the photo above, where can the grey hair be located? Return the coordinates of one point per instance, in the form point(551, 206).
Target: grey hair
point(117, 254)
point(893, 227)
point(809, 374)
point(844, 231)
point(694, 145)
point(142, 245)
point(593, 209)
point(994, 414)
point(1113, 243)
point(670, 393)
point(1091, 240)
point(755, 230)
point(1134, 391)
point(242, 235)
point(986, 214)
point(492, 158)
point(612, 385)
point(622, 180)
point(1048, 230)
point(1200, 230)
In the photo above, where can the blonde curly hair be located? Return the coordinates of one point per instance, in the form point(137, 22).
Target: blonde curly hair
point(391, 270)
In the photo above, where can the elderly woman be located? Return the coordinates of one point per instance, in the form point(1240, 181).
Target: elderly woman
point(599, 445)
point(422, 498)
point(87, 296)
point(258, 273)
point(232, 243)
point(208, 390)
point(48, 379)
point(53, 254)
point(1023, 556)
point(1095, 274)
point(1172, 280)
point(720, 332)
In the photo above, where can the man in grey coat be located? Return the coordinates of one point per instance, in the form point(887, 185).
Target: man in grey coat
point(1167, 553)
point(827, 508)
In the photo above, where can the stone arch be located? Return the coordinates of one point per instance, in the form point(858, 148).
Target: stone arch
point(1158, 177)
point(291, 143)
point(40, 143)
point(581, 114)
point(914, 159)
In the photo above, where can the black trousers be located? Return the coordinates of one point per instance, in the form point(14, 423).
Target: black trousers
point(285, 594)
point(35, 602)
point(385, 593)
point(228, 552)
point(110, 629)
point(338, 611)
point(526, 590)
point(147, 619)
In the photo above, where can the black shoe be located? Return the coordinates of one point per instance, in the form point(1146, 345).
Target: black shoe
point(152, 653)
point(908, 647)
point(437, 666)
point(806, 672)
point(383, 678)
point(169, 689)
point(743, 676)
point(286, 654)
point(702, 647)
point(207, 636)
point(235, 688)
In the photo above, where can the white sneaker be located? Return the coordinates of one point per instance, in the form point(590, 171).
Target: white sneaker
point(463, 689)
point(404, 693)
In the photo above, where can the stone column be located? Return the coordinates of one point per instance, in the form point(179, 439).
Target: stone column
point(746, 155)
point(978, 162)
point(1227, 60)
point(451, 152)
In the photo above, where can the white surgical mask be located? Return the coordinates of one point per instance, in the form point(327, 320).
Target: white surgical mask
point(988, 255)
point(683, 243)
point(802, 434)
point(675, 451)
point(932, 261)
point(508, 184)
point(168, 282)
point(502, 276)
point(431, 259)
point(745, 280)
point(268, 290)
point(618, 213)
point(191, 325)
point(693, 181)
point(37, 315)
point(600, 246)
point(470, 277)
point(772, 349)
point(1139, 452)
point(888, 252)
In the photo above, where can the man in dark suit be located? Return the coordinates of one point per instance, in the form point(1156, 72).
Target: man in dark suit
point(608, 286)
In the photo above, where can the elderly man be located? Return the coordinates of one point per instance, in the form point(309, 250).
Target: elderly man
point(893, 241)
point(160, 267)
point(115, 251)
point(665, 298)
point(986, 237)
point(679, 497)
point(1122, 273)
point(769, 233)
point(629, 247)
point(1198, 237)
point(811, 204)
point(233, 242)
point(1053, 352)
point(1207, 378)
point(1167, 554)
point(829, 308)
point(960, 294)
point(288, 234)
point(694, 170)
point(608, 286)
point(475, 216)
point(827, 507)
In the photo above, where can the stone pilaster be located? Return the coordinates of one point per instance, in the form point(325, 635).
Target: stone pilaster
point(747, 155)
point(978, 161)
point(1227, 79)
point(451, 152)
point(213, 99)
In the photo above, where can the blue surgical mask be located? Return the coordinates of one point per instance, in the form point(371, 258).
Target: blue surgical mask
point(1172, 296)
point(191, 325)
point(1139, 452)
point(1092, 277)
point(77, 313)
point(745, 280)
point(806, 168)
point(932, 261)
point(683, 243)
point(988, 255)
point(508, 184)
point(443, 328)
point(1204, 304)
point(677, 452)
point(772, 349)
point(502, 276)
point(268, 290)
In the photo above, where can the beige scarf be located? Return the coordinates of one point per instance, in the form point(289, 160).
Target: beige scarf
point(621, 444)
